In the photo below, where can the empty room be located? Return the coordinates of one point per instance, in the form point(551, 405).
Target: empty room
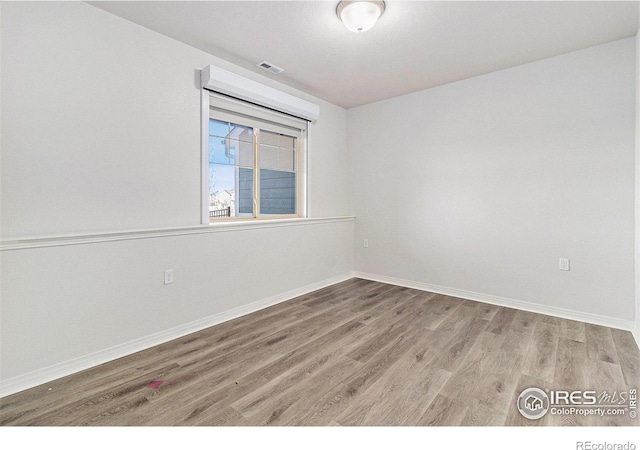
point(319, 213)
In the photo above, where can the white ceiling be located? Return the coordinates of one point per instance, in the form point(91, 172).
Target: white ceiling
point(415, 45)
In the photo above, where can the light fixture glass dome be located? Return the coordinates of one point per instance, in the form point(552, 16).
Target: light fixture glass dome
point(359, 16)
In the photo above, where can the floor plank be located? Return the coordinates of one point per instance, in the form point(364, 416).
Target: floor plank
point(502, 320)
point(600, 344)
point(541, 356)
point(629, 357)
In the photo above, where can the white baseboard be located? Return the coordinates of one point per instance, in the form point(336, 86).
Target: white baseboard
point(580, 316)
point(47, 374)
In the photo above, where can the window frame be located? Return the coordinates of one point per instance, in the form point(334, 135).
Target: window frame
point(227, 109)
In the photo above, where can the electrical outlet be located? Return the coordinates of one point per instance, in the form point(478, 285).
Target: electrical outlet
point(365, 243)
point(564, 263)
point(168, 276)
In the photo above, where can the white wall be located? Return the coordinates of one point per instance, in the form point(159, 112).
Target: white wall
point(480, 186)
point(637, 166)
point(101, 134)
point(477, 186)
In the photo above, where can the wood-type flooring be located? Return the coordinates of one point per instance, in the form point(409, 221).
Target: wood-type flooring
point(358, 353)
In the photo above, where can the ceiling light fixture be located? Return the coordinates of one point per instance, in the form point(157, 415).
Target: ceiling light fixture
point(359, 16)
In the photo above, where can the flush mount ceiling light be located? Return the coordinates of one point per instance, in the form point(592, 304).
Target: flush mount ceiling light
point(359, 16)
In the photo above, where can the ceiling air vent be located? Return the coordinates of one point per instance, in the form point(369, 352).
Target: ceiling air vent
point(270, 67)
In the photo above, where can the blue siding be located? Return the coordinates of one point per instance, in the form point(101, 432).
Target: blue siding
point(244, 197)
point(277, 192)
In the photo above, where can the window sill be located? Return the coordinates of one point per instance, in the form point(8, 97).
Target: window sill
point(227, 226)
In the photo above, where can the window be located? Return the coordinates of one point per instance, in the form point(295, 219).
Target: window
point(255, 166)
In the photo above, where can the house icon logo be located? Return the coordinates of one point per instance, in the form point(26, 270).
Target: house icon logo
point(533, 403)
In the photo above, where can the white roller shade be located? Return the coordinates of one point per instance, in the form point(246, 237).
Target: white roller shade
point(219, 80)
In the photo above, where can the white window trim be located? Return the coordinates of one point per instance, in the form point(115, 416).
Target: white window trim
point(204, 169)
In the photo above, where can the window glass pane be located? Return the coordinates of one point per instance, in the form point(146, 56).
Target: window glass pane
point(269, 138)
point(276, 139)
point(230, 130)
point(286, 142)
point(277, 158)
point(277, 151)
point(277, 192)
point(230, 144)
point(286, 160)
point(243, 152)
point(245, 197)
point(230, 191)
point(218, 152)
point(268, 157)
